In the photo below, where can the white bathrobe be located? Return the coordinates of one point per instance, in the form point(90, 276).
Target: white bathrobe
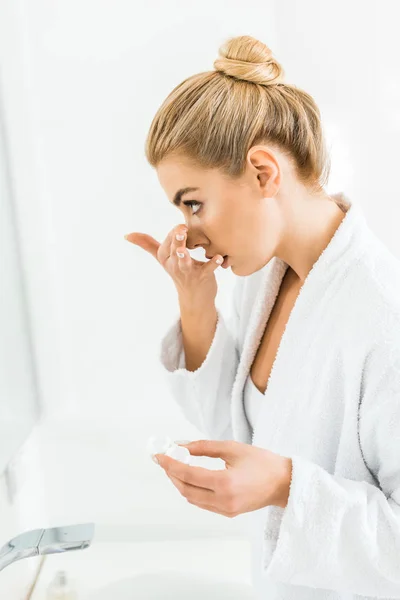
point(332, 405)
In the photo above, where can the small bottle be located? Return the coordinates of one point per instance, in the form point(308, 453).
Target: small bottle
point(164, 445)
point(60, 588)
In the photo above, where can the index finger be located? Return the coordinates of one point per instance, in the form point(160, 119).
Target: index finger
point(197, 476)
point(164, 251)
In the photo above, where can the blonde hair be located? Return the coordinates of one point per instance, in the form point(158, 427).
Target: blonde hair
point(214, 118)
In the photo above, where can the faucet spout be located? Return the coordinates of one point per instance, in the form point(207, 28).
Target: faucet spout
point(46, 541)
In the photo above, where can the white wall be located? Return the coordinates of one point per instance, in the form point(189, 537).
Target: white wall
point(346, 55)
point(18, 390)
point(90, 81)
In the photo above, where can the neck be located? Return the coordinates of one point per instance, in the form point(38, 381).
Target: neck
point(309, 227)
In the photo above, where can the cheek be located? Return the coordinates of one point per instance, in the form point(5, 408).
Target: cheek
point(218, 228)
point(244, 228)
point(230, 230)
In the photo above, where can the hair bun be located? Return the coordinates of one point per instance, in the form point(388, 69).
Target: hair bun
point(246, 58)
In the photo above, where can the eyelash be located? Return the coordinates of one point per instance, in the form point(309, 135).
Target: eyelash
point(191, 203)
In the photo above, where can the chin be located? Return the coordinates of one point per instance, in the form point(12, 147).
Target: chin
point(241, 272)
point(245, 272)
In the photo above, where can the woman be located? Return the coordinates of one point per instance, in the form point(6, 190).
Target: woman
point(300, 391)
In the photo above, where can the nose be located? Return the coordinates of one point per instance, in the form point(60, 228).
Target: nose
point(190, 242)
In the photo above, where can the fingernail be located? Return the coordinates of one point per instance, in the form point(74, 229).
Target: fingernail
point(155, 460)
point(180, 236)
point(182, 441)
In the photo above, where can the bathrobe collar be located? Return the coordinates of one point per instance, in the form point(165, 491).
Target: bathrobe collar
point(346, 245)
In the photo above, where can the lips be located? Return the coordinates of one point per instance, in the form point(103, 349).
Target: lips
point(226, 262)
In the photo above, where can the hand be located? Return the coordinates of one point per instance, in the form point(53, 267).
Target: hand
point(254, 477)
point(194, 279)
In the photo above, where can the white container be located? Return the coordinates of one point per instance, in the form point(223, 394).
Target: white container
point(164, 445)
point(60, 588)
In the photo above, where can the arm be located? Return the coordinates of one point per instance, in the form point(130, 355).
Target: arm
point(198, 330)
point(204, 395)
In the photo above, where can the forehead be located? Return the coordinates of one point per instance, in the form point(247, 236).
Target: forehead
point(177, 178)
point(177, 174)
point(174, 173)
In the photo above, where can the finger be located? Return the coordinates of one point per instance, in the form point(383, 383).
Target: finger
point(187, 488)
point(193, 494)
point(165, 250)
point(225, 449)
point(179, 252)
point(160, 251)
point(214, 263)
point(197, 476)
point(206, 501)
point(184, 259)
point(213, 509)
point(147, 242)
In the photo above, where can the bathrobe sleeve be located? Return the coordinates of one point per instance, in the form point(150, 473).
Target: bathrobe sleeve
point(204, 395)
point(341, 534)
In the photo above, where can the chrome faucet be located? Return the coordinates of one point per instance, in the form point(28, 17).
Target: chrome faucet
point(46, 541)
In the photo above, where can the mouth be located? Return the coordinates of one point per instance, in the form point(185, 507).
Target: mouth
point(225, 264)
point(225, 257)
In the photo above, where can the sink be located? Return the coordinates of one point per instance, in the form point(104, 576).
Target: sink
point(179, 566)
point(170, 585)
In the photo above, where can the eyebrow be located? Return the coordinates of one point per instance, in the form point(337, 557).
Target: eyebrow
point(181, 192)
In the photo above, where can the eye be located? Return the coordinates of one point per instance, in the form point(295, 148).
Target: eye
point(192, 203)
